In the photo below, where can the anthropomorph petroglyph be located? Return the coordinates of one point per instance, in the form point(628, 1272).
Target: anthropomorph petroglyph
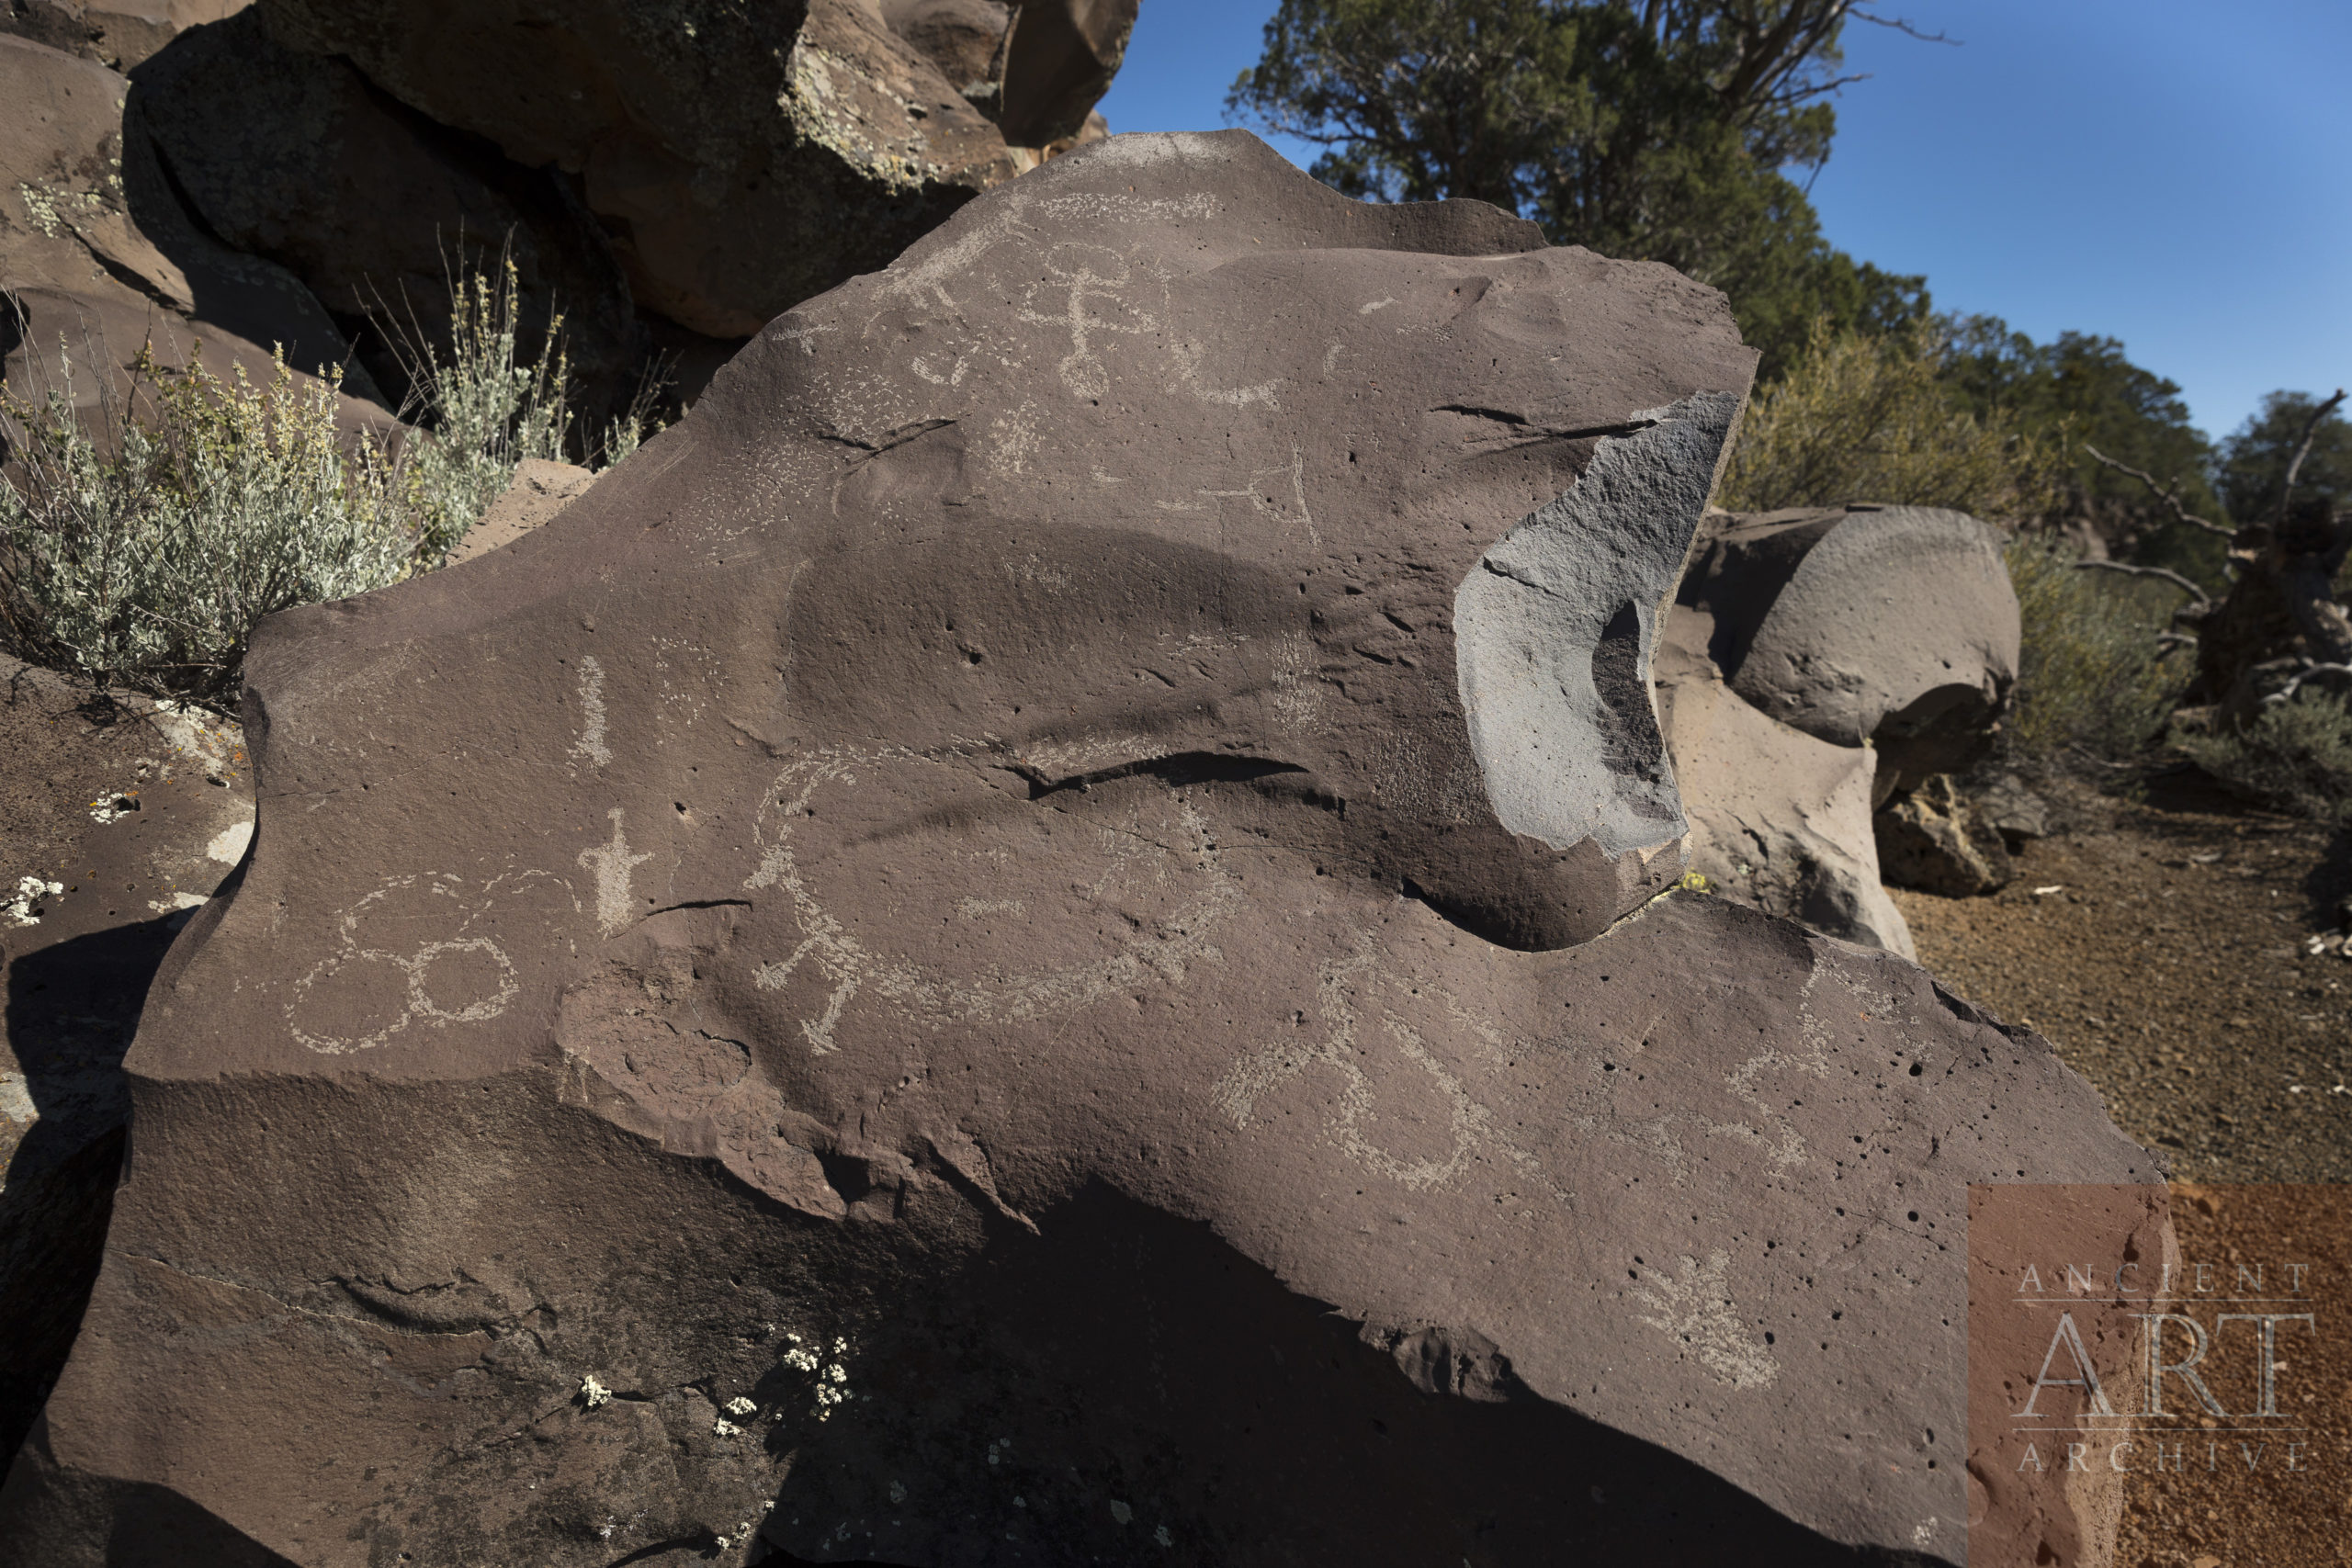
point(613, 866)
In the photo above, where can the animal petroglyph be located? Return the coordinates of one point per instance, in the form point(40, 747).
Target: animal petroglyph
point(1694, 1305)
point(1159, 857)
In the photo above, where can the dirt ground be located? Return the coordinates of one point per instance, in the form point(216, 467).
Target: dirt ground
point(2164, 944)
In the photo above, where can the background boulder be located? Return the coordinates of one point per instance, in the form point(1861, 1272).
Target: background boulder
point(1821, 664)
point(1894, 625)
point(970, 945)
point(740, 159)
point(98, 258)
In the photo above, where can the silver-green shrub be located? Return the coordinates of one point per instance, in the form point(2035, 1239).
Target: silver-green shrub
point(139, 552)
point(2091, 672)
point(484, 410)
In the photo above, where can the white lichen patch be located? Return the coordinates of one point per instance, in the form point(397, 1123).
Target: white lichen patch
point(594, 1395)
point(898, 1491)
point(113, 809)
point(1162, 1536)
point(1122, 1512)
point(739, 1405)
point(723, 1428)
point(25, 907)
point(228, 846)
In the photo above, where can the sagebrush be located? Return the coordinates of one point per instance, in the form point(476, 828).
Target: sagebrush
point(2296, 755)
point(1863, 418)
point(142, 537)
point(139, 552)
point(2093, 674)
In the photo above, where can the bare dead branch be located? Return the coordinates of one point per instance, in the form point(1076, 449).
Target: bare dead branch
point(2291, 687)
point(2176, 639)
point(1906, 28)
point(2171, 497)
point(2165, 572)
point(2303, 450)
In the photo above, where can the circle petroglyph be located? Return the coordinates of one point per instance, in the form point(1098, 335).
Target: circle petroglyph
point(360, 997)
point(954, 900)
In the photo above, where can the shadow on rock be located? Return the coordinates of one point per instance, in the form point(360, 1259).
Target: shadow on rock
point(72, 1008)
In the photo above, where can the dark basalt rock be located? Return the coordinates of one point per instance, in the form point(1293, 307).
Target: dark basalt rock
point(1033, 939)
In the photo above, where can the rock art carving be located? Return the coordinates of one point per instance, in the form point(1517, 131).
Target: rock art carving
point(1018, 1019)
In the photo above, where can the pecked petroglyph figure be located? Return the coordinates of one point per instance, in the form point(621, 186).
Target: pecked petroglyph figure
point(1057, 948)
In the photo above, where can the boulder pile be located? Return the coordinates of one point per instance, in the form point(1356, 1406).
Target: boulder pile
point(1044, 935)
point(667, 178)
point(1823, 666)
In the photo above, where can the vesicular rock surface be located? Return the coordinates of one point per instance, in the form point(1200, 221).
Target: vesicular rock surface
point(1033, 939)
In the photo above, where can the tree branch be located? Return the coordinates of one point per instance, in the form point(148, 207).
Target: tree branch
point(2204, 602)
point(2171, 497)
point(2303, 450)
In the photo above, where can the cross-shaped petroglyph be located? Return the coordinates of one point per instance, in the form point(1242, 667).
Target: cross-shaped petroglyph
point(613, 864)
point(1072, 274)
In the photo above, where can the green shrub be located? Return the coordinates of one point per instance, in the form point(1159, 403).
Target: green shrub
point(1873, 419)
point(138, 549)
point(140, 554)
point(2091, 674)
point(483, 410)
point(2296, 755)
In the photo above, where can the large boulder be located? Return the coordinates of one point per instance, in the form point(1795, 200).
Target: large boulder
point(98, 259)
point(1036, 938)
point(1891, 625)
point(120, 34)
point(296, 159)
point(742, 158)
point(1780, 820)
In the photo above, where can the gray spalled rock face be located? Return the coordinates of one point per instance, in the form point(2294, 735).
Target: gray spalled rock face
point(1894, 624)
point(934, 972)
point(742, 158)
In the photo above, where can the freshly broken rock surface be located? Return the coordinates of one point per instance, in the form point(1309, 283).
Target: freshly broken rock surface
point(741, 158)
point(1041, 923)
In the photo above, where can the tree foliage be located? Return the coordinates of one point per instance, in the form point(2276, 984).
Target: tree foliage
point(2079, 393)
point(1864, 418)
point(1657, 130)
point(2254, 458)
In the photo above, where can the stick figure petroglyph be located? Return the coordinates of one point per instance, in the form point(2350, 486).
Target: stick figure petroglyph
point(612, 863)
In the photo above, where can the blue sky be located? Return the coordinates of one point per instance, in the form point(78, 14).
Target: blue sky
point(2179, 176)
